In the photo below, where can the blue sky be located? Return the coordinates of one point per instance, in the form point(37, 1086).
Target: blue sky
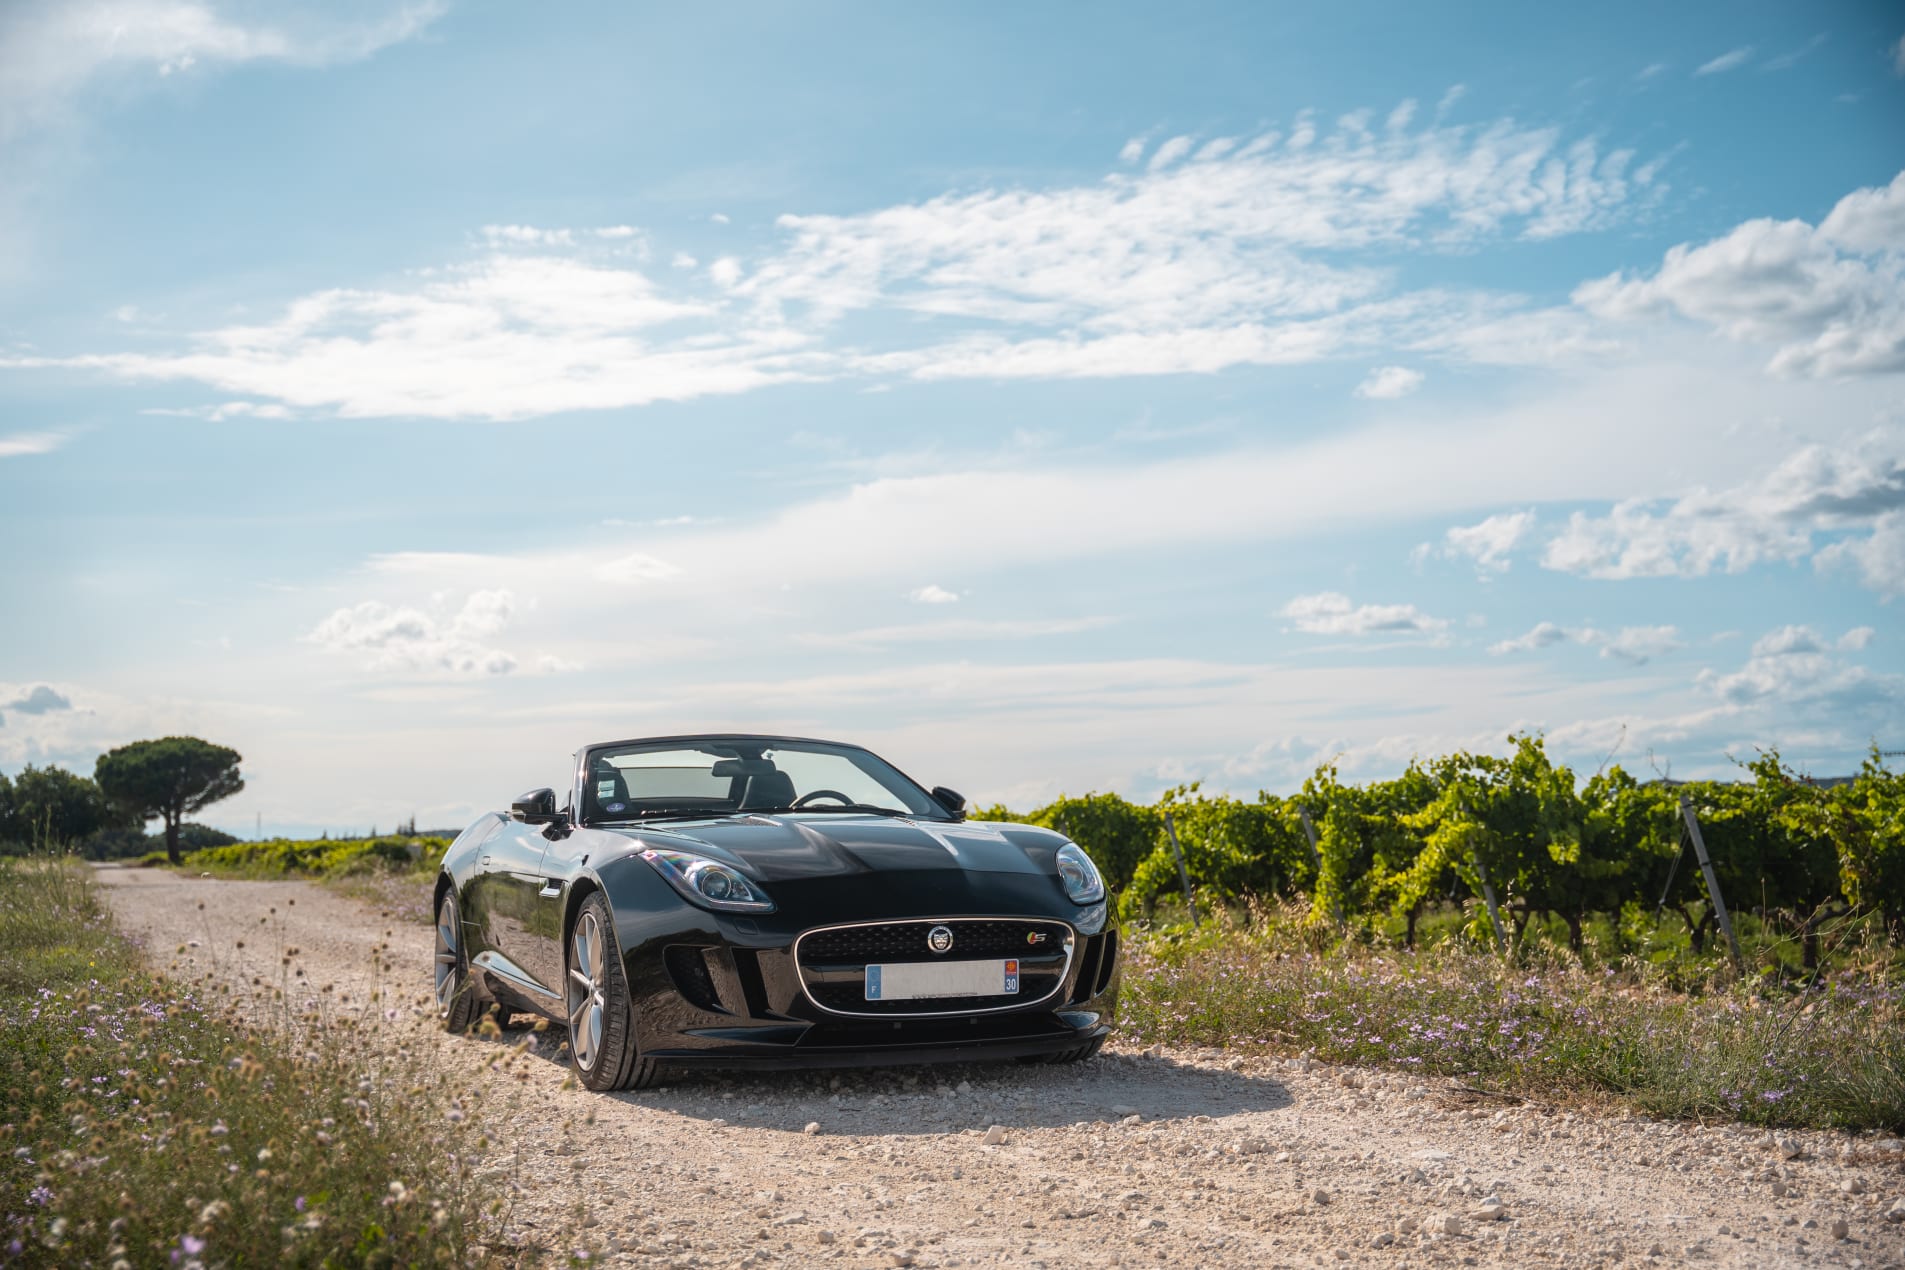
point(1075, 397)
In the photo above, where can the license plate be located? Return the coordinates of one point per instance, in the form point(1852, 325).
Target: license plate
point(911, 980)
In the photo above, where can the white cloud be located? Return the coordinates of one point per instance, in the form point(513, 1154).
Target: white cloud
point(1638, 645)
point(932, 593)
point(508, 336)
point(1774, 518)
point(682, 260)
point(1170, 152)
point(725, 272)
point(1793, 672)
point(632, 570)
point(1132, 150)
point(1879, 558)
point(1489, 543)
point(617, 231)
point(1898, 56)
point(18, 444)
point(403, 638)
point(1541, 635)
point(527, 236)
point(1831, 299)
point(958, 631)
point(51, 48)
point(1389, 382)
point(1732, 59)
point(1331, 613)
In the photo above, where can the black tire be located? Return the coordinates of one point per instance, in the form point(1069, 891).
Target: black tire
point(601, 1016)
point(459, 1004)
point(1088, 1050)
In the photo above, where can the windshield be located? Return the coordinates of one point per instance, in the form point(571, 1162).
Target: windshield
point(717, 776)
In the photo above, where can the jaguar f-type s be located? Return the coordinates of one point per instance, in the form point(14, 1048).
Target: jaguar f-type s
point(767, 901)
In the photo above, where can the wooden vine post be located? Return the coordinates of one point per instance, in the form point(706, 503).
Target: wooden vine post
point(1713, 886)
point(1183, 875)
point(1316, 858)
point(1488, 894)
point(1488, 897)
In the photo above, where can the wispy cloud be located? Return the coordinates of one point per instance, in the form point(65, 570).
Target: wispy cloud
point(49, 49)
point(1389, 382)
point(1219, 252)
point(1332, 613)
point(932, 593)
point(15, 445)
point(1730, 60)
point(1635, 645)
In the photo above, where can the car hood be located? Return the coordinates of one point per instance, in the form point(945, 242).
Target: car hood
point(777, 848)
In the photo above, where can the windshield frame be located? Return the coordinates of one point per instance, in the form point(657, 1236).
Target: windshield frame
point(744, 745)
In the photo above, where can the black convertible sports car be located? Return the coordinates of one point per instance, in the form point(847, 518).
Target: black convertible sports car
point(772, 901)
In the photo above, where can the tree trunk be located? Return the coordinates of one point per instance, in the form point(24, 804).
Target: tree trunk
point(1409, 936)
point(172, 837)
point(1574, 930)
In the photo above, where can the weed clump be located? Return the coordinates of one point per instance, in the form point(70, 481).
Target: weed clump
point(141, 1124)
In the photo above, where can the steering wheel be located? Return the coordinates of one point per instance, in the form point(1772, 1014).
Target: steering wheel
point(812, 794)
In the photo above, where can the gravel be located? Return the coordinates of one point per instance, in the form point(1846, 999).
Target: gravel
point(1139, 1157)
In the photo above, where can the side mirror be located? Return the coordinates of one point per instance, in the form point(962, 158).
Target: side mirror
point(537, 807)
point(951, 800)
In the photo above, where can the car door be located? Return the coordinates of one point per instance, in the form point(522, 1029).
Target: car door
point(542, 947)
point(514, 917)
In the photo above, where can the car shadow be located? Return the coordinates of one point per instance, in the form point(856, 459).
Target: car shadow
point(933, 1097)
point(949, 1097)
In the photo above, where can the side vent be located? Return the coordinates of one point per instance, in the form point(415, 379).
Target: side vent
point(747, 968)
point(1087, 969)
point(689, 970)
point(1108, 963)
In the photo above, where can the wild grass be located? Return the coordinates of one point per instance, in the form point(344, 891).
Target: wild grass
point(392, 874)
point(1825, 1052)
point(141, 1124)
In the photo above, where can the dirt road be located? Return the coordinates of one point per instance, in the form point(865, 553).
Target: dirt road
point(1178, 1159)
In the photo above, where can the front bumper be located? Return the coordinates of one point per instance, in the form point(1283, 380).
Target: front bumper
point(726, 989)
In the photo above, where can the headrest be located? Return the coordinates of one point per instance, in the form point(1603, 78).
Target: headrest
point(769, 789)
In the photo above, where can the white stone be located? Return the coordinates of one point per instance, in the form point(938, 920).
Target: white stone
point(813, 1127)
point(1383, 1240)
point(1789, 1148)
point(1896, 1213)
point(995, 1136)
point(1121, 1111)
point(1450, 1224)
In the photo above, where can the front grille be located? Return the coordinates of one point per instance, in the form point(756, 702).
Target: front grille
point(906, 941)
point(833, 962)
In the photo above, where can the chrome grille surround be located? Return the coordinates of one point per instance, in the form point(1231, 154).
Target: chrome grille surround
point(960, 951)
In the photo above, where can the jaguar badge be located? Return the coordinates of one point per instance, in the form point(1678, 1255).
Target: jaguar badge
point(939, 939)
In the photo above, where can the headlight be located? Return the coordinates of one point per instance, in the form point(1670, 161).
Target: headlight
point(708, 883)
point(1080, 875)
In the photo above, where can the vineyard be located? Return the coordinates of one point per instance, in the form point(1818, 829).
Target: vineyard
point(1791, 852)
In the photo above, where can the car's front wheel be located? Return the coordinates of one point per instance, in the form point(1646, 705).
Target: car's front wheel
point(457, 1005)
point(601, 1019)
